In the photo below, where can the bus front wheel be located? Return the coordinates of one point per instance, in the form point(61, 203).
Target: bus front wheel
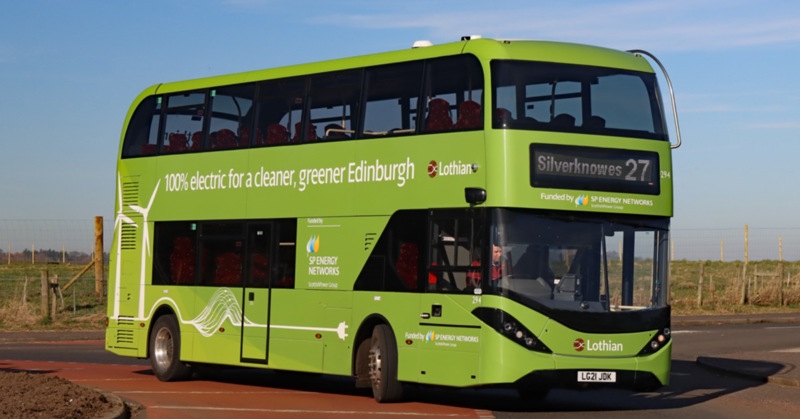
point(383, 366)
point(165, 350)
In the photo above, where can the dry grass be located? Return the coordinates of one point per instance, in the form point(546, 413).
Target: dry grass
point(20, 303)
point(79, 308)
point(769, 286)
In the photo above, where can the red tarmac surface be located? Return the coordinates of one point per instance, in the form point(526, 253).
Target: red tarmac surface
point(245, 395)
point(257, 393)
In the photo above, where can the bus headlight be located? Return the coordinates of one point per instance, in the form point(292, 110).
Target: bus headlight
point(658, 341)
point(509, 327)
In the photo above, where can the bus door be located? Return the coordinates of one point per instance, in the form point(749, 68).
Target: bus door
point(450, 353)
point(255, 304)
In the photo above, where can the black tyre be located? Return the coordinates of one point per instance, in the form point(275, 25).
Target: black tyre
point(165, 350)
point(383, 366)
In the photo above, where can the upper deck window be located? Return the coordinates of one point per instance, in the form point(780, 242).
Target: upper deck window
point(183, 123)
point(572, 98)
point(229, 125)
point(429, 96)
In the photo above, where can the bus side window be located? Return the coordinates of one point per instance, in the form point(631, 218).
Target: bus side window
point(279, 106)
point(455, 86)
point(228, 270)
point(392, 96)
point(282, 270)
point(276, 134)
point(469, 115)
point(185, 115)
point(182, 260)
point(230, 117)
point(407, 264)
point(333, 105)
point(222, 250)
point(174, 259)
point(310, 133)
point(396, 262)
point(439, 116)
point(456, 252)
point(141, 137)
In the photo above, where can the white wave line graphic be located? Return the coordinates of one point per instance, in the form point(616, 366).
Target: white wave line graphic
point(224, 305)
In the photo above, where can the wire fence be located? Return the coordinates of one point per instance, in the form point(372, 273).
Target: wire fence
point(50, 241)
point(736, 244)
point(72, 241)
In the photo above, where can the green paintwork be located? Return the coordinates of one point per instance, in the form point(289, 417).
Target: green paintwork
point(313, 327)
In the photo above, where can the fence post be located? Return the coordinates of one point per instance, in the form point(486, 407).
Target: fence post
point(779, 277)
point(700, 285)
point(53, 284)
point(98, 256)
point(45, 307)
point(743, 298)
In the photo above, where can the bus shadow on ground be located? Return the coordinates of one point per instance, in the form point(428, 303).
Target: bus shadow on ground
point(691, 384)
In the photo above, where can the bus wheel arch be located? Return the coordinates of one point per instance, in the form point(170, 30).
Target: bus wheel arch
point(164, 348)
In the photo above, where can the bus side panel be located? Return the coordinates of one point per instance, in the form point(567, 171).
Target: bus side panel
point(123, 335)
point(311, 331)
point(338, 346)
point(450, 350)
point(658, 363)
point(297, 328)
point(504, 361)
point(393, 307)
point(210, 322)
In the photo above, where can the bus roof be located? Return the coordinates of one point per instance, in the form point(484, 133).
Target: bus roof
point(484, 48)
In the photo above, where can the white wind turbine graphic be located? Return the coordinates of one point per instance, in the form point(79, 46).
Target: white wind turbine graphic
point(121, 218)
point(145, 246)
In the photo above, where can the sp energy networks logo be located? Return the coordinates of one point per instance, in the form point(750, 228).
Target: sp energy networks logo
point(441, 339)
point(604, 345)
point(582, 201)
point(313, 244)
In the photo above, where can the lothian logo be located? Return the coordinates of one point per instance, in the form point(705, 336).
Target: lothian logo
point(579, 344)
point(433, 168)
point(602, 346)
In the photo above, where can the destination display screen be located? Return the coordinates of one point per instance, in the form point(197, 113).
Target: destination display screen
point(594, 169)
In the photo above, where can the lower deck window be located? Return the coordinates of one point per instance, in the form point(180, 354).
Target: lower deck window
point(258, 253)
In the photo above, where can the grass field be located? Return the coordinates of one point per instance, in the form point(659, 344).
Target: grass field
point(79, 307)
point(770, 287)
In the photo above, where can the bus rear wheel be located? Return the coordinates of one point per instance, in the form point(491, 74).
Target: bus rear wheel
point(383, 366)
point(165, 350)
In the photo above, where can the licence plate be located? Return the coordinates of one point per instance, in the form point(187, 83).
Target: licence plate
point(597, 377)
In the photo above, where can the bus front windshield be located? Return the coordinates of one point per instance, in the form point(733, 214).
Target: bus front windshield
point(580, 263)
point(576, 98)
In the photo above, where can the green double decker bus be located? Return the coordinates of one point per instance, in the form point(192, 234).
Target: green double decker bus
point(483, 213)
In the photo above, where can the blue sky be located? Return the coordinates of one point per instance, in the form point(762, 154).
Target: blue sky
point(70, 69)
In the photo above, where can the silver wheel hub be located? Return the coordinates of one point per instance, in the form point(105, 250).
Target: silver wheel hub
point(163, 349)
